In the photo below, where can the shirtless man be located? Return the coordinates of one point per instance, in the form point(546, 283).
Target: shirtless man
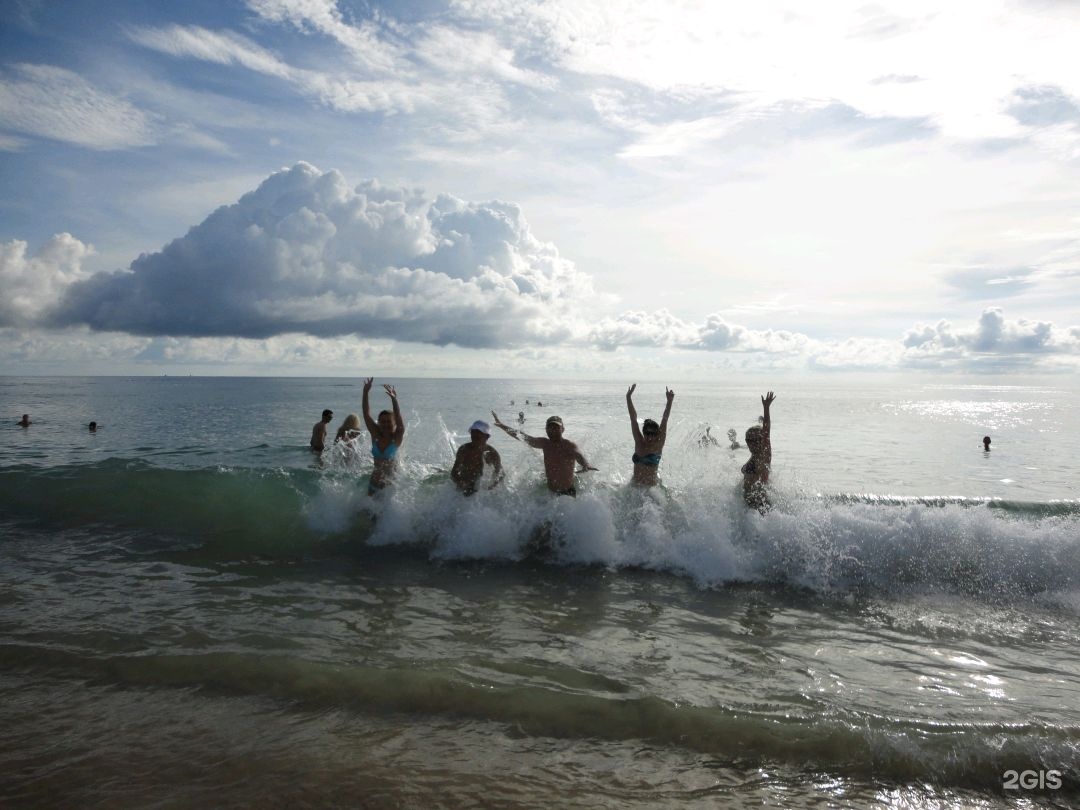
point(25, 421)
point(318, 431)
point(471, 458)
point(559, 454)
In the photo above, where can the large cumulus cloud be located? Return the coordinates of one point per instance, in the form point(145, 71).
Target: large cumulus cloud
point(307, 253)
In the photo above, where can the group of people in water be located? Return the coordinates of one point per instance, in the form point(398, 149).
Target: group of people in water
point(563, 459)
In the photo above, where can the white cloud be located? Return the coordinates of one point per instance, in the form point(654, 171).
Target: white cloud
point(221, 47)
point(304, 252)
point(452, 50)
point(52, 102)
point(33, 283)
point(340, 92)
point(992, 334)
point(957, 65)
point(371, 51)
point(994, 339)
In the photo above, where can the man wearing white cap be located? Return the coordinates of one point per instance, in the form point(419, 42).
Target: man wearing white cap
point(471, 458)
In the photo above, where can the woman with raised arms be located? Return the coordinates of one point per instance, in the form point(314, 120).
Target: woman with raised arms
point(387, 436)
point(648, 441)
point(756, 470)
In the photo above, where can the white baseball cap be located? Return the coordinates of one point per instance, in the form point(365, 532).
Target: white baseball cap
point(482, 426)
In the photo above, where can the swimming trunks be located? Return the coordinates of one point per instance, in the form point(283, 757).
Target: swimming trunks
point(387, 454)
point(649, 460)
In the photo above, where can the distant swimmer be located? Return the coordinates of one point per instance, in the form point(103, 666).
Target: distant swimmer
point(471, 457)
point(539, 404)
point(648, 441)
point(986, 444)
point(387, 436)
point(559, 454)
point(756, 471)
point(733, 437)
point(93, 427)
point(521, 417)
point(707, 439)
point(318, 431)
point(349, 430)
point(25, 421)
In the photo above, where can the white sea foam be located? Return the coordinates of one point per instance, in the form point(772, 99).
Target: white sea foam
point(710, 536)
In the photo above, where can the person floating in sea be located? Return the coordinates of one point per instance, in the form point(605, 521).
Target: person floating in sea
point(93, 427)
point(25, 421)
point(648, 441)
point(318, 431)
point(755, 472)
point(733, 437)
point(559, 454)
point(986, 444)
point(387, 436)
point(471, 457)
point(521, 417)
point(707, 439)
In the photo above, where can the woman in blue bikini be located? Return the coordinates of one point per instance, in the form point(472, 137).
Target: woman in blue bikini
point(648, 441)
point(387, 435)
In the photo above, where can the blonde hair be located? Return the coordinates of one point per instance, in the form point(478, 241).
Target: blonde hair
point(351, 425)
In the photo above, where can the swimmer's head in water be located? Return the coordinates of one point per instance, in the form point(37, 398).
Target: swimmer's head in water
point(554, 427)
point(386, 422)
point(650, 428)
point(93, 426)
point(986, 442)
point(755, 437)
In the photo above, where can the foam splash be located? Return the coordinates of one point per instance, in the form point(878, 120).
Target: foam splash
point(972, 547)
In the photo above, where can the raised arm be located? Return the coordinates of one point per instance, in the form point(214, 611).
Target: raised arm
point(766, 425)
point(532, 441)
point(372, 427)
point(633, 414)
point(399, 433)
point(667, 412)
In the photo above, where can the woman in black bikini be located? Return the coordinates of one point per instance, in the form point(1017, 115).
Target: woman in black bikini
point(648, 441)
point(756, 471)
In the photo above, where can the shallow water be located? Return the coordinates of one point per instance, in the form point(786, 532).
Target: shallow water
point(195, 610)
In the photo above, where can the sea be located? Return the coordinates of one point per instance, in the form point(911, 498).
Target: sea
point(198, 611)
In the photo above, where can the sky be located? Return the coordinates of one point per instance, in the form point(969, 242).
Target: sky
point(499, 188)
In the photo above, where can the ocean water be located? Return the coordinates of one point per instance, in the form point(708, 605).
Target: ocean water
point(196, 610)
